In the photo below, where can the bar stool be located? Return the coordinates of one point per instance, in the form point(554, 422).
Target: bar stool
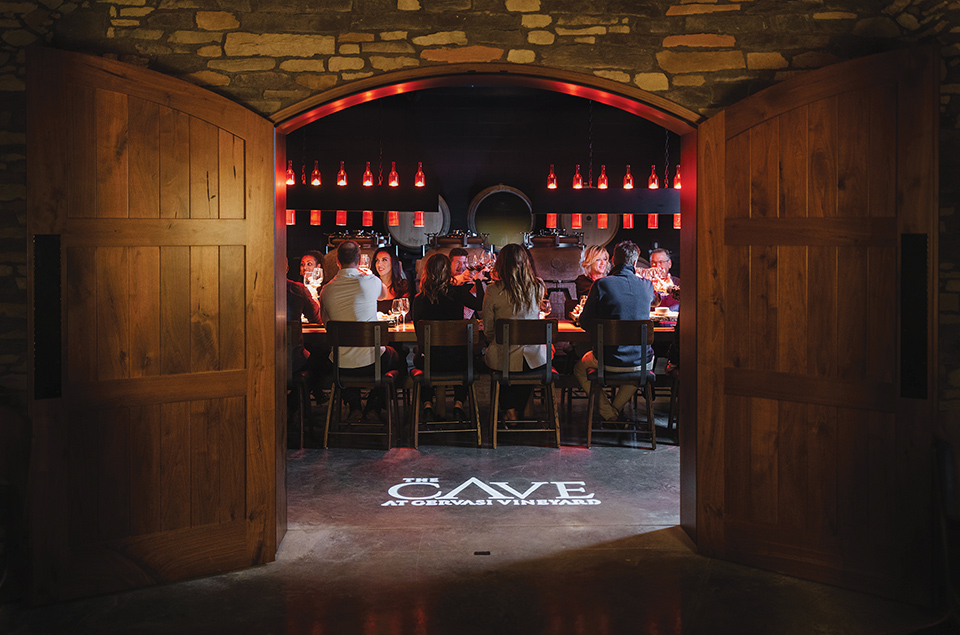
point(436, 339)
point(525, 333)
point(359, 334)
point(612, 333)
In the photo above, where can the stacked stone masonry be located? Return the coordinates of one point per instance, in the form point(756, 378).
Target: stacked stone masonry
point(270, 55)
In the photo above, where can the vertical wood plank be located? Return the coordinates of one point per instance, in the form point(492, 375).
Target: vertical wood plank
point(233, 453)
point(145, 469)
point(764, 444)
point(737, 485)
point(83, 453)
point(880, 330)
point(764, 169)
point(793, 506)
point(204, 308)
point(822, 139)
point(882, 163)
point(81, 311)
point(231, 176)
point(113, 313)
point(144, 154)
point(175, 465)
point(763, 337)
point(232, 307)
point(205, 424)
point(822, 515)
point(144, 311)
point(80, 188)
point(113, 473)
point(853, 282)
point(794, 130)
point(737, 279)
point(792, 310)
point(204, 169)
point(853, 155)
point(174, 310)
point(112, 155)
point(174, 163)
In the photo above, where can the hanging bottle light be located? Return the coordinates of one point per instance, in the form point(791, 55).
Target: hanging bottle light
point(602, 221)
point(676, 179)
point(342, 176)
point(628, 179)
point(393, 179)
point(652, 221)
point(551, 179)
point(602, 180)
point(418, 219)
point(291, 176)
point(393, 218)
point(315, 217)
point(628, 221)
point(315, 175)
point(577, 221)
point(367, 176)
point(341, 217)
point(291, 217)
point(419, 180)
point(551, 221)
point(367, 218)
point(676, 221)
point(577, 179)
point(653, 182)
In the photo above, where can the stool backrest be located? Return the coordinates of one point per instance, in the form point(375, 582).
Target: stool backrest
point(433, 334)
point(526, 333)
point(610, 333)
point(357, 334)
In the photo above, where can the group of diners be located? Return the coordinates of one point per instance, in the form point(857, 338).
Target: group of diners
point(448, 290)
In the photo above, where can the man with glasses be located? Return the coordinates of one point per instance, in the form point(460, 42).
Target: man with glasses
point(661, 258)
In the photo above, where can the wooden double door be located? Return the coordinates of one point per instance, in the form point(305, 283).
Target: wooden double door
point(158, 452)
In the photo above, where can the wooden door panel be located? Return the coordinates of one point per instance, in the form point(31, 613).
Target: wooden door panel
point(806, 429)
point(158, 460)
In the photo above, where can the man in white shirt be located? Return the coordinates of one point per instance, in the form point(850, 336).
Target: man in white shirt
point(351, 296)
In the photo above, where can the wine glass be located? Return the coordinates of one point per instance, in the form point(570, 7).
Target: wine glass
point(545, 307)
point(365, 262)
point(404, 309)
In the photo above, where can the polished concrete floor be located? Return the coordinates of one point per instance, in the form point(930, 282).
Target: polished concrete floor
point(522, 539)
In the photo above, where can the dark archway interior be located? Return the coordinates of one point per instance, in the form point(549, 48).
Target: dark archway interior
point(472, 137)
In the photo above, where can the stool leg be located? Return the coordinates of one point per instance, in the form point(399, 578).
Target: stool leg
point(416, 415)
point(591, 401)
point(334, 397)
point(475, 411)
point(494, 416)
point(648, 393)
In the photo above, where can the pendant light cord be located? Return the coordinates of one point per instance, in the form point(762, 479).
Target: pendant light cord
point(666, 157)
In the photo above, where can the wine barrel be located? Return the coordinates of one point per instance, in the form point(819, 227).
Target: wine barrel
point(592, 235)
point(502, 212)
point(406, 235)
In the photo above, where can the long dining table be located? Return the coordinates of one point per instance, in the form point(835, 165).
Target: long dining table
point(567, 331)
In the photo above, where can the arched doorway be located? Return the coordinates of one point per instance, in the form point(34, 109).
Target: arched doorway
point(646, 105)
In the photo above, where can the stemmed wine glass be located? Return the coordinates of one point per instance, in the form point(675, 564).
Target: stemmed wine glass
point(404, 309)
point(313, 279)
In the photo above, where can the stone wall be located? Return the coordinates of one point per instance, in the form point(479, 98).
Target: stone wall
point(267, 55)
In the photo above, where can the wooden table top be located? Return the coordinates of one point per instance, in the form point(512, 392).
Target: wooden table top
point(567, 332)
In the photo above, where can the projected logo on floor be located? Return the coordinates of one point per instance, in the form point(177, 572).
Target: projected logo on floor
point(426, 492)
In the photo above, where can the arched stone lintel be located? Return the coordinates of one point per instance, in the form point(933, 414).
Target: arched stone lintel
point(633, 100)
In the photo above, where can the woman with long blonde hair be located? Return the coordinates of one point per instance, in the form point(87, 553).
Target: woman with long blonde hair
point(515, 294)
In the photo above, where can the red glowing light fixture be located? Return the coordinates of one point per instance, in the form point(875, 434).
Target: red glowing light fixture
point(314, 217)
point(653, 182)
point(651, 221)
point(577, 221)
point(393, 218)
point(551, 221)
point(552, 182)
point(368, 218)
point(602, 221)
point(676, 179)
point(341, 217)
point(291, 176)
point(367, 176)
point(577, 179)
point(315, 175)
point(393, 179)
point(291, 217)
point(342, 176)
point(628, 221)
point(676, 221)
point(418, 219)
point(419, 180)
point(602, 181)
point(628, 179)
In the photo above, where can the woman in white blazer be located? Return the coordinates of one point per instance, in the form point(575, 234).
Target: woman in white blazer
point(515, 294)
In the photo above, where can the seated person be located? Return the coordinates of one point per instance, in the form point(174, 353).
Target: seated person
point(463, 277)
point(440, 299)
point(351, 296)
point(390, 271)
point(620, 296)
point(595, 264)
point(660, 258)
point(310, 261)
point(300, 303)
point(515, 294)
